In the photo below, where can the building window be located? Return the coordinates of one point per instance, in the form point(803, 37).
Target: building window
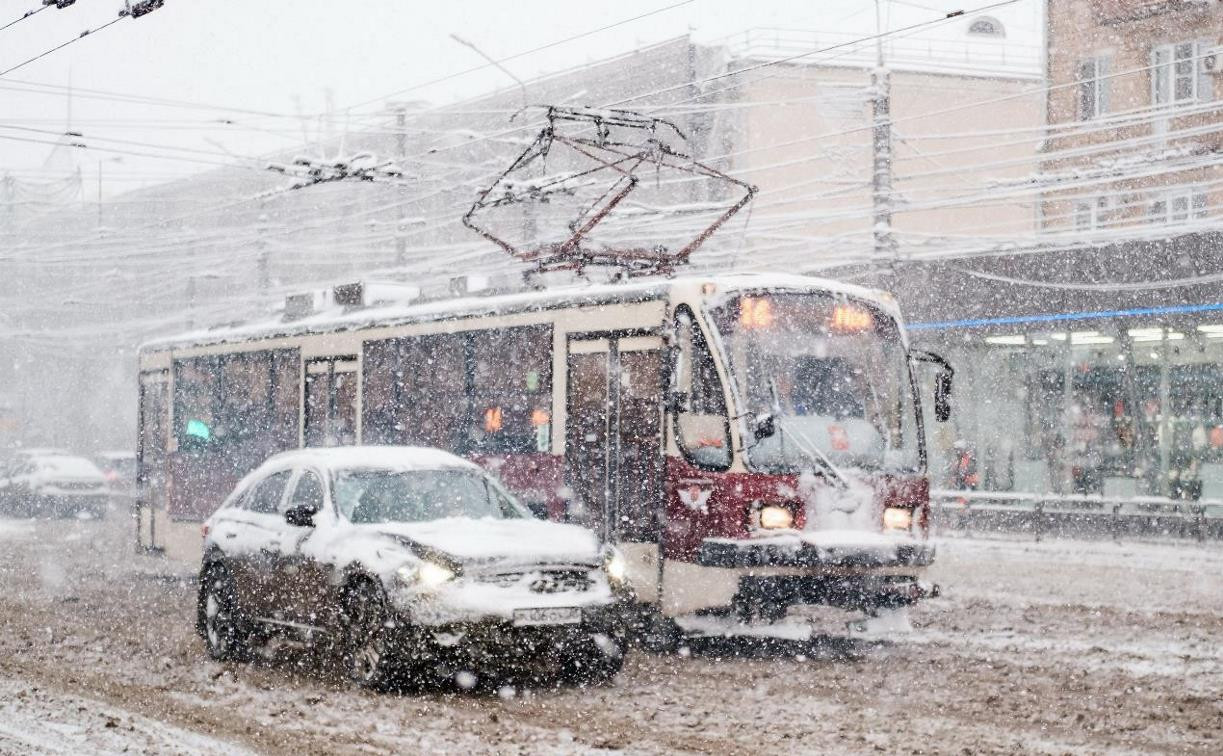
point(1179, 206)
point(987, 26)
point(1176, 73)
point(1092, 76)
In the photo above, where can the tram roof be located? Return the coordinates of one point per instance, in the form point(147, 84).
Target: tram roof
point(338, 319)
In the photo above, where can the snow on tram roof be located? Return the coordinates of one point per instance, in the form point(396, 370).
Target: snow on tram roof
point(338, 319)
point(400, 458)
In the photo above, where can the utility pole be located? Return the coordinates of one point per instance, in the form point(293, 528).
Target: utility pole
point(261, 251)
point(401, 153)
point(884, 252)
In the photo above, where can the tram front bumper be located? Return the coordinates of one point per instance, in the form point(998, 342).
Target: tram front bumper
point(763, 577)
point(801, 551)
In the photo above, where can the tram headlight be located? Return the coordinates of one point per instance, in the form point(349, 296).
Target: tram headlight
point(615, 567)
point(896, 518)
point(773, 517)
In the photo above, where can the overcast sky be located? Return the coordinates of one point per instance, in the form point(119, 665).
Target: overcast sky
point(289, 56)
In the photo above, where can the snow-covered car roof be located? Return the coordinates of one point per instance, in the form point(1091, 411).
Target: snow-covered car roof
point(115, 456)
point(62, 465)
point(41, 451)
point(399, 458)
point(340, 319)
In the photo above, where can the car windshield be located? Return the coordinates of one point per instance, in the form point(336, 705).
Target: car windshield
point(833, 373)
point(376, 495)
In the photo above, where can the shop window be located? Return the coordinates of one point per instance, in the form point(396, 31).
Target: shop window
point(702, 424)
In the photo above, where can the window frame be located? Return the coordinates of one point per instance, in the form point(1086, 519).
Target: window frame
point(301, 474)
point(1164, 76)
point(699, 339)
point(249, 499)
point(1094, 87)
point(1196, 202)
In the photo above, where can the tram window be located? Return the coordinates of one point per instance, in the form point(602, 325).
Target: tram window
point(244, 412)
point(245, 398)
point(195, 386)
point(702, 425)
point(286, 387)
point(432, 401)
point(511, 390)
point(381, 408)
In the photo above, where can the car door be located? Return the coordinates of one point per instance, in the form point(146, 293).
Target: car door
point(255, 550)
point(305, 572)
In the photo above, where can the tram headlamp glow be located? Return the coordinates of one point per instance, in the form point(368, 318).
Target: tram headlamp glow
point(615, 567)
point(775, 518)
point(895, 518)
point(427, 575)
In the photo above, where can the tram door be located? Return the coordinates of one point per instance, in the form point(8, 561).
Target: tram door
point(613, 444)
point(152, 474)
point(331, 401)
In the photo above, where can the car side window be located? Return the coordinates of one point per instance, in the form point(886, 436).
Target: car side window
point(268, 493)
point(308, 492)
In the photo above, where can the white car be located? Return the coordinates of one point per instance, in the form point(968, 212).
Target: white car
point(408, 562)
point(50, 482)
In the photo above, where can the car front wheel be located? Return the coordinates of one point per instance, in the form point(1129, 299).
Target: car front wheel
point(224, 629)
point(366, 652)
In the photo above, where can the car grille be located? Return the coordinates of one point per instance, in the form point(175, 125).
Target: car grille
point(542, 581)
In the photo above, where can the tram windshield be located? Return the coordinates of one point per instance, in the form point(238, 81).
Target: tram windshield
point(833, 375)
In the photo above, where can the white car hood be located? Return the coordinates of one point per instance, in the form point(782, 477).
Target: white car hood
point(508, 542)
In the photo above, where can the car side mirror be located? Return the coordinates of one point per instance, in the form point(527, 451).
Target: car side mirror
point(300, 515)
point(942, 396)
point(763, 426)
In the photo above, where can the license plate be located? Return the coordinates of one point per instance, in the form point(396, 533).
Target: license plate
point(548, 616)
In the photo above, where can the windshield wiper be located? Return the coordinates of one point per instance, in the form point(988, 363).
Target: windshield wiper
point(804, 444)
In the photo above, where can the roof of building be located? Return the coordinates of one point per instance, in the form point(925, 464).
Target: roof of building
point(1003, 41)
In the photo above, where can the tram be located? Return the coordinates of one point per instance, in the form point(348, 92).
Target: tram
point(750, 442)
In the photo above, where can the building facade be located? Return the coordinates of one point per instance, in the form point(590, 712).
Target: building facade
point(1091, 360)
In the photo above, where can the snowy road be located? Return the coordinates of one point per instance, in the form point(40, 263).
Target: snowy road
point(1051, 647)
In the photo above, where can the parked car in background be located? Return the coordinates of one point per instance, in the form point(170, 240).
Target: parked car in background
point(119, 469)
point(51, 483)
point(409, 562)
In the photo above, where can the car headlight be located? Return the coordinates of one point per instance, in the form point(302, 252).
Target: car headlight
point(773, 517)
point(896, 518)
point(615, 567)
point(427, 575)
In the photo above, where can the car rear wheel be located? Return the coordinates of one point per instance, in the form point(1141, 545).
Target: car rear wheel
point(226, 632)
point(365, 649)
